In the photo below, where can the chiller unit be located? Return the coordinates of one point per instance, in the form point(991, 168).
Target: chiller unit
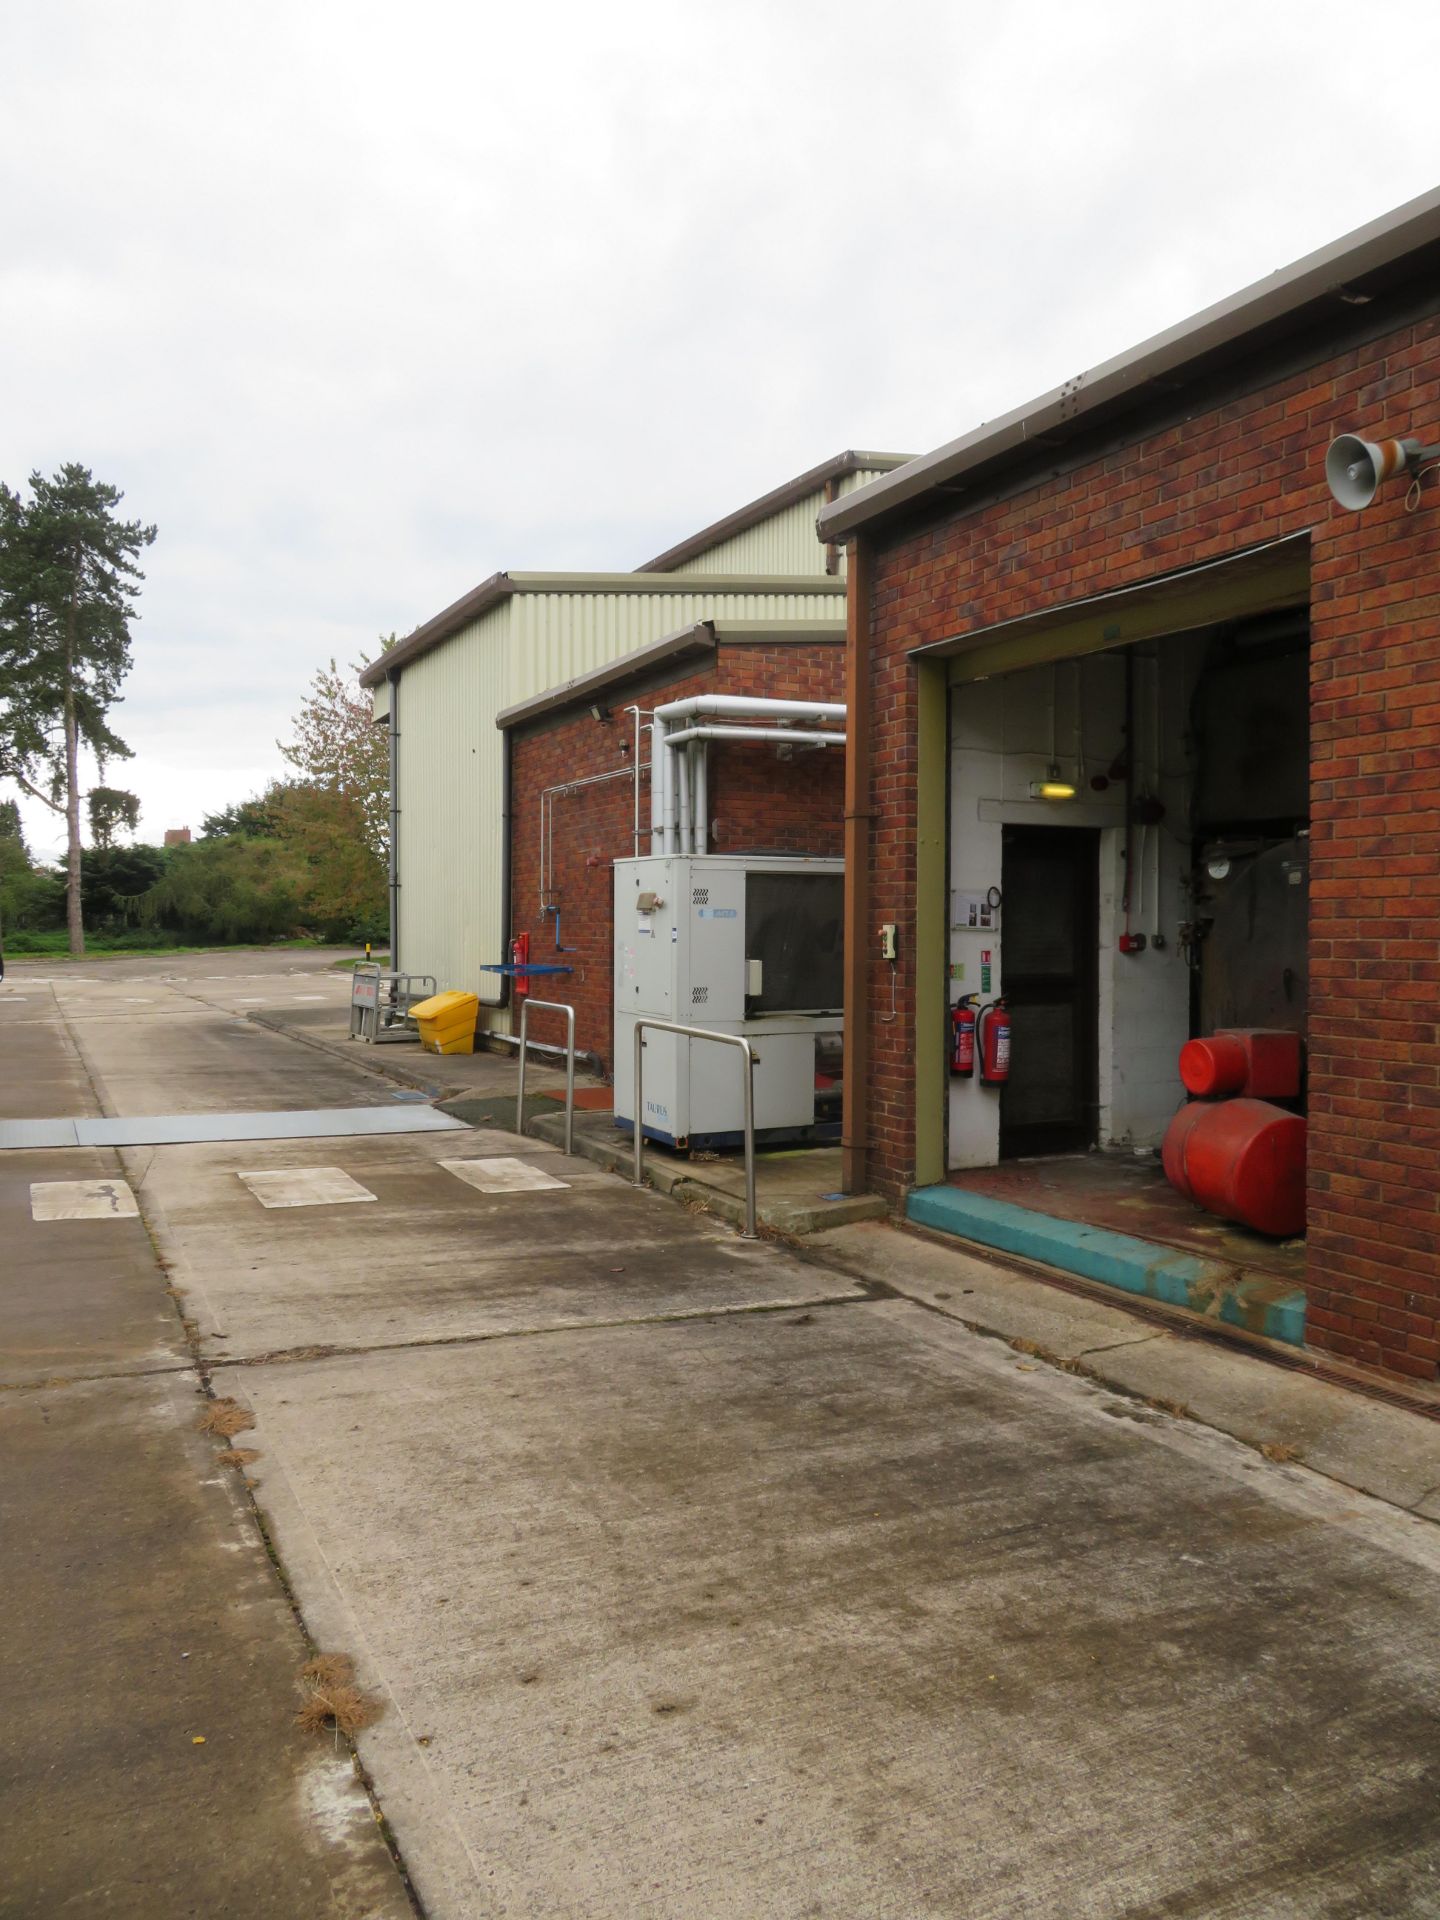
point(741, 944)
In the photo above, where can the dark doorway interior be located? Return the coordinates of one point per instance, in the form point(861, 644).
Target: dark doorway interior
point(1050, 887)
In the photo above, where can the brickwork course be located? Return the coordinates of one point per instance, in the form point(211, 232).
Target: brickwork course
point(758, 802)
point(1243, 468)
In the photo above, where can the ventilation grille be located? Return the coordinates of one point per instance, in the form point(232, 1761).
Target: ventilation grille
point(699, 995)
point(700, 897)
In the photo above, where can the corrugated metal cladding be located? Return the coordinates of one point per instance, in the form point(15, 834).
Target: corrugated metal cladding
point(380, 696)
point(785, 543)
point(452, 754)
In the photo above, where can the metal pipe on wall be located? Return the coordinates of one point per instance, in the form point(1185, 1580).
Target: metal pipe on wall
point(854, 1130)
point(657, 794)
point(393, 680)
point(682, 774)
point(754, 707)
point(702, 796)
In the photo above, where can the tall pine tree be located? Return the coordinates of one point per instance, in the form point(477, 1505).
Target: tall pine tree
point(68, 584)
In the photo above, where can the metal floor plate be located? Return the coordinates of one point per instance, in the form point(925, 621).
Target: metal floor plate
point(195, 1129)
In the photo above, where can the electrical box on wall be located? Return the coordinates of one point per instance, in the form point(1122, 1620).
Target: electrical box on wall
point(742, 944)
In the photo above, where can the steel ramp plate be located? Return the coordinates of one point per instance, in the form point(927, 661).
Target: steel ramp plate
point(195, 1129)
point(38, 1133)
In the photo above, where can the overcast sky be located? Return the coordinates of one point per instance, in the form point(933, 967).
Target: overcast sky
point(362, 303)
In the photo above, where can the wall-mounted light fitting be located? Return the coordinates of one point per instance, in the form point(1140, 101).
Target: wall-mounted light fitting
point(1052, 787)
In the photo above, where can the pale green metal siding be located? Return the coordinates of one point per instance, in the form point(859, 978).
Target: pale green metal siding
point(785, 543)
point(449, 783)
point(452, 754)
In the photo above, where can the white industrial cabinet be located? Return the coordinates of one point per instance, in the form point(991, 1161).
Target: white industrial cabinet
point(743, 944)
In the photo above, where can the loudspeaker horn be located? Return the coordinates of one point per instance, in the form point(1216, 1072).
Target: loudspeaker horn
point(1355, 468)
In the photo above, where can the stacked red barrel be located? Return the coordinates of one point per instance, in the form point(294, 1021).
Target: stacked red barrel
point(1232, 1150)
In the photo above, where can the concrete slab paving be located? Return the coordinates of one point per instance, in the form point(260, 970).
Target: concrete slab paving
point(978, 1291)
point(434, 1259)
point(1380, 1449)
point(191, 1061)
point(44, 1076)
point(77, 1297)
point(853, 1613)
point(149, 1761)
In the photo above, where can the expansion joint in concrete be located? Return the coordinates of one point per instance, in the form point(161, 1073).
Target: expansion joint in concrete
point(301, 1356)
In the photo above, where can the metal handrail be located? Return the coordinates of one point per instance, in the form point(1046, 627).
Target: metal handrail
point(550, 1006)
point(747, 1087)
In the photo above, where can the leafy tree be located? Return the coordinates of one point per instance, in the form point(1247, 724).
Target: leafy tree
point(32, 900)
point(113, 882)
point(68, 583)
point(325, 825)
point(14, 854)
point(228, 890)
point(111, 808)
point(252, 817)
point(338, 746)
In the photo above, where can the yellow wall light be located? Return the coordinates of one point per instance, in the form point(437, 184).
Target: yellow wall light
point(1052, 787)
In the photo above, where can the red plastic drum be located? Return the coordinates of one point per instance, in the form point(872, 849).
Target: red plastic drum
point(1213, 1066)
point(1172, 1151)
point(1243, 1160)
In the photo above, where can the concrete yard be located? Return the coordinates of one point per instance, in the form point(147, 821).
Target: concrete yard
point(697, 1578)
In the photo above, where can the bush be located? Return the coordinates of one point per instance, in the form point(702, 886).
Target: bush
point(112, 881)
point(32, 900)
point(228, 892)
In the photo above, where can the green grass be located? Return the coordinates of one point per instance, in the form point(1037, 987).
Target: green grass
point(383, 959)
point(56, 946)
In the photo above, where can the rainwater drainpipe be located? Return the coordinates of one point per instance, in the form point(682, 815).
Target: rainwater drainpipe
point(393, 681)
point(854, 1126)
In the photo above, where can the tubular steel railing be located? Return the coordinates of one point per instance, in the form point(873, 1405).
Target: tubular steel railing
point(527, 1006)
point(642, 1027)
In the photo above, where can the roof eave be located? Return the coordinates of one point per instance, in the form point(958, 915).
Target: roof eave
point(838, 467)
point(458, 614)
point(1227, 323)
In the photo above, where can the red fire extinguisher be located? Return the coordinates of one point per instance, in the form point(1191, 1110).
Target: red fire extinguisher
point(994, 1039)
point(962, 1036)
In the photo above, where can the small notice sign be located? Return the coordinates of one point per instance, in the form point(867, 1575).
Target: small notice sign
point(974, 910)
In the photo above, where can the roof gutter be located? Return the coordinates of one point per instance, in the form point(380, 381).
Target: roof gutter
point(458, 614)
point(1381, 243)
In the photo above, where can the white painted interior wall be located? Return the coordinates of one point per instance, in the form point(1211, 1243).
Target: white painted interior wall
point(1004, 733)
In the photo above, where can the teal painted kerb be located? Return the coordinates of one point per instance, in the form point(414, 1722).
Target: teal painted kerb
point(1119, 1260)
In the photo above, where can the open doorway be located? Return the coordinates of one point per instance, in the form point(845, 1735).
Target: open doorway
point(1050, 886)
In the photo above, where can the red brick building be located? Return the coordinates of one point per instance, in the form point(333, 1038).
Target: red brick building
point(1140, 588)
point(572, 755)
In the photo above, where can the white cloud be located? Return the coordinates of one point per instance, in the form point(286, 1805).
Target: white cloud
point(359, 306)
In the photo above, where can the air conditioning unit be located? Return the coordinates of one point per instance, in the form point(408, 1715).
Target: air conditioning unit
point(738, 943)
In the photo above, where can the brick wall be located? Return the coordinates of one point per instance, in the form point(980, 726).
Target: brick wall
point(1247, 470)
point(756, 801)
